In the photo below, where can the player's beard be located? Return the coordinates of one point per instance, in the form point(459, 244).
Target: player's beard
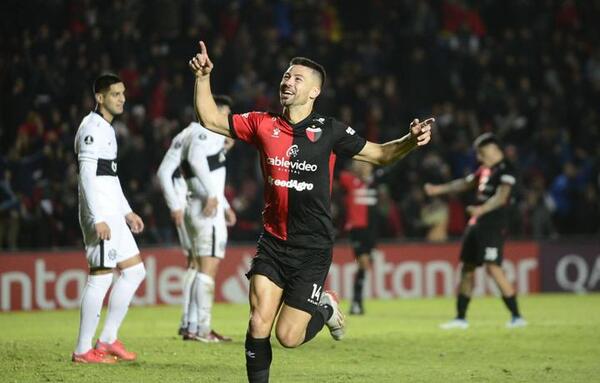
point(115, 110)
point(286, 100)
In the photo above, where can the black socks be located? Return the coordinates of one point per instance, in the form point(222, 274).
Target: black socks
point(511, 304)
point(258, 359)
point(359, 281)
point(462, 302)
point(317, 321)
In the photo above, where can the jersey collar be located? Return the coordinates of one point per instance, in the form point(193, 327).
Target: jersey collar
point(102, 117)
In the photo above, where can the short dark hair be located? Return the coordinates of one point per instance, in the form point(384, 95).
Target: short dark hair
point(104, 81)
point(486, 139)
point(312, 65)
point(223, 100)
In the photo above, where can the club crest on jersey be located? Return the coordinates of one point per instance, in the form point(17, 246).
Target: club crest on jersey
point(88, 140)
point(313, 133)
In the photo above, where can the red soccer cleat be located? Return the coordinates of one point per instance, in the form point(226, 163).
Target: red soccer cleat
point(93, 356)
point(117, 349)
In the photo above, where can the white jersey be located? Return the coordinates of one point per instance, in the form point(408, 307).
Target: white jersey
point(200, 155)
point(100, 193)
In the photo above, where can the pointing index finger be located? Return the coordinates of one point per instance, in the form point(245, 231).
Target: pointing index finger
point(202, 47)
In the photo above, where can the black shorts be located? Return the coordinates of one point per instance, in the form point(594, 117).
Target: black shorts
point(300, 272)
point(482, 244)
point(363, 241)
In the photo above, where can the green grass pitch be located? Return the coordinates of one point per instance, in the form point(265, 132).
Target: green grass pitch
point(397, 341)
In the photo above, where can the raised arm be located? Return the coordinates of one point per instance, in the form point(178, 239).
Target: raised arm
point(389, 152)
point(204, 104)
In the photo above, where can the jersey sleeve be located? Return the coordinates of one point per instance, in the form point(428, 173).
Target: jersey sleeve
point(87, 157)
point(508, 176)
point(245, 126)
point(347, 142)
point(87, 144)
point(169, 164)
point(199, 164)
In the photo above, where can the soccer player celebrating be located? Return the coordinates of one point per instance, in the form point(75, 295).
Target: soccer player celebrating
point(360, 201)
point(106, 222)
point(297, 150)
point(200, 154)
point(484, 239)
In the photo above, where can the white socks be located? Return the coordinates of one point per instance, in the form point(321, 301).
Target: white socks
point(91, 305)
point(120, 297)
point(204, 295)
point(186, 291)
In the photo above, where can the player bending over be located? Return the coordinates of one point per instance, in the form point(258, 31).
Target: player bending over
point(297, 150)
point(483, 241)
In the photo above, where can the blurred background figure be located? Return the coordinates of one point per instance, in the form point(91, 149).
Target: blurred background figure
point(360, 202)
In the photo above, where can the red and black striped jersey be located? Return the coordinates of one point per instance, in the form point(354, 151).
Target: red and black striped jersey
point(488, 180)
point(297, 162)
point(360, 200)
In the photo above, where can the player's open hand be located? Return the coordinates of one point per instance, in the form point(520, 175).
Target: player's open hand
point(200, 64)
point(103, 231)
point(421, 130)
point(135, 223)
point(177, 217)
point(210, 207)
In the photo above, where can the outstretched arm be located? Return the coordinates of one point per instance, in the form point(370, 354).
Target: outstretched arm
point(458, 185)
point(206, 109)
point(383, 154)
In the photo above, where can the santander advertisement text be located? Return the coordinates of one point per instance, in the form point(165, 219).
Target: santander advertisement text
point(55, 280)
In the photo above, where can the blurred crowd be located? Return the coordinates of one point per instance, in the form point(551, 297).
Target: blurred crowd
point(527, 70)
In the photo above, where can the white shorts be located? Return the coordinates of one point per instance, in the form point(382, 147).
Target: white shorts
point(106, 254)
point(208, 235)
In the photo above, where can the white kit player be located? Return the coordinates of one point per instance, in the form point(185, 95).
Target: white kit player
point(200, 156)
point(107, 223)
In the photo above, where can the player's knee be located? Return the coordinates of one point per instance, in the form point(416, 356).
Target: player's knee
point(136, 273)
point(259, 326)
point(288, 338)
point(468, 268)
point(490, 268)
